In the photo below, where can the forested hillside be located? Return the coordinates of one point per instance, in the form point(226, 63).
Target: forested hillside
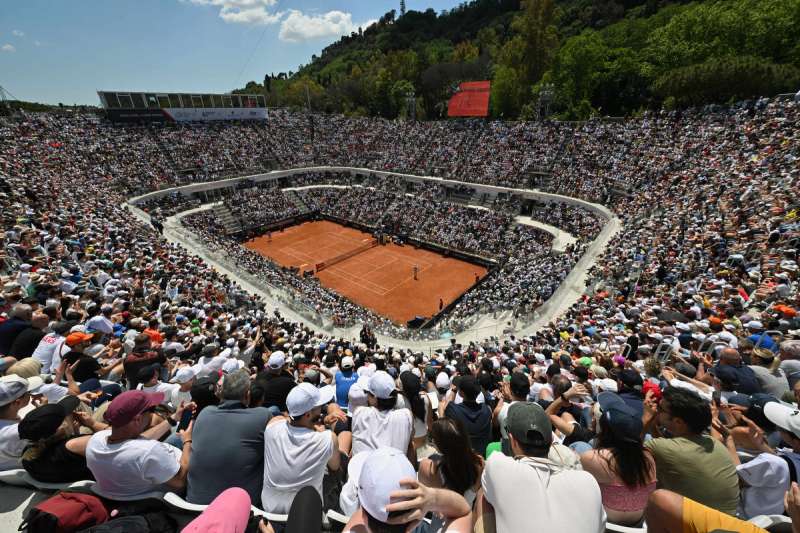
point(609, 57)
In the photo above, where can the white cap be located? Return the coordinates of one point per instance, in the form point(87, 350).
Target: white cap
point(381, 385)
point(367, 370)
point(754, 324)
point(232, 365)
point(14, 387)
point(442, 380)
point(276, 360)
point(303, 398)
point(380, 477)
point(786, 418)
point(347, 362)
point(606, 384)
point(184, 375)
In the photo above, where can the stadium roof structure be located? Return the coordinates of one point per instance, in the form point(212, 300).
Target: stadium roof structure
point(471, 100)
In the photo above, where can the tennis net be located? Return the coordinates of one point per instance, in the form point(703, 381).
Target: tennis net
point(347, 255)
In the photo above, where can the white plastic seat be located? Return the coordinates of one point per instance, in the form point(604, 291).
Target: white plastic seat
point(774, 522)
point(625, 529)
point(333, 516)
point(178, 502)
point(20, 478)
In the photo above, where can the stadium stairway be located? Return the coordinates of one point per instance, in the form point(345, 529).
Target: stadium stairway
point(229, 221)
point(164, 150)
point(297, 200)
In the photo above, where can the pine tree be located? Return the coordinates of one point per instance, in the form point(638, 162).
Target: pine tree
point(402, 7)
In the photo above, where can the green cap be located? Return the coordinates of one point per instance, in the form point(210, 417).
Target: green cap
point(529, 424)
point(586, 361)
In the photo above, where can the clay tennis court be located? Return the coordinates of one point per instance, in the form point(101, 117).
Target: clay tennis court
point(380, 278)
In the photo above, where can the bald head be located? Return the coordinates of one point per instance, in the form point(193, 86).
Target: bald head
point(729, 356)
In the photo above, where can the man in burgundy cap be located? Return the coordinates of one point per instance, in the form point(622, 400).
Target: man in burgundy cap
point(127, 460)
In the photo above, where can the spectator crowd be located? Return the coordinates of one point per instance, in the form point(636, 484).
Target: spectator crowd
point(668, 394)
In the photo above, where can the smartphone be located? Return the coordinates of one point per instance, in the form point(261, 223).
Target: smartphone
point(186, 418)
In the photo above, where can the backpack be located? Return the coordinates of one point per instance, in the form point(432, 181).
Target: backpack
point(158, 522)
point(65, 512)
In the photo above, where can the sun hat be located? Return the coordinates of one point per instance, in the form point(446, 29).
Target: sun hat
point(783, 416)
point(276, 360)
point(13, 387)
point(184, 375)
point(129, 405)
point(305, 397)
point(380, 476)
point(381, 385)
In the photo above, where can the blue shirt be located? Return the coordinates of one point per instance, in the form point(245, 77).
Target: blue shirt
point(344, 380)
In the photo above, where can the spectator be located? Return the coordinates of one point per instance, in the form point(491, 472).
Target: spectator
point(127, 461)
point(689, 461)
point(391, 499)
point(766, 367)
point(19, 319)
point(296, 454)
point(379, 424)
point(622, 466)
point(476, 417)
point(277, 383)
point(28, 339)
point(14, 395)
point(231, 425)
point(549, 488)
point(57, 452)
point(457, 467)
point(344, 379)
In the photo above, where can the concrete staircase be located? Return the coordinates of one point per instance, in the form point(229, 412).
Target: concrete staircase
point(227, 219)
point(297, 200)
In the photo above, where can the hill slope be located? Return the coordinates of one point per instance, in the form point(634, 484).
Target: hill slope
point(610, 57)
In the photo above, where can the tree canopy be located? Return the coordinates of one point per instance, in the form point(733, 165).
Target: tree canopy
point(610, 57)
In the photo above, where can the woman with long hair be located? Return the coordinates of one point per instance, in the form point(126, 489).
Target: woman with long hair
point(456, 467)
point(420, 406)
point(622, 466)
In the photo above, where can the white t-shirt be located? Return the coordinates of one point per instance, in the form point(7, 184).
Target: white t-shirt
point(100, 323)
point(166, 388)
point(128, 469)
point(294, 457)
point(48, 350)
point(11, 446)
point(547, 502)
point(177, 396)
point(373, 429)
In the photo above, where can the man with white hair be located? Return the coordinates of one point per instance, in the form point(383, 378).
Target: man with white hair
point(231, 425)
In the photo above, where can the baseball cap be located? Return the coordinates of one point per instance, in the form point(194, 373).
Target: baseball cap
point(442, 380)
point(631, 379)
point(783, 416)
point(347, 362)
point(380, 477)
point(45, 420)
point(623, 420)
point(130, 404)
point(183, 375)
point(276, 360)
point(13, 387)
point(381, 385)
point(305, 397)
point(77, 337)
point(529, 424)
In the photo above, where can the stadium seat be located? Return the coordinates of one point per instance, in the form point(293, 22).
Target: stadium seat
point(179, 503)
point(339, 518)
point(625, 529)
point(774, 523)
point(20, 478)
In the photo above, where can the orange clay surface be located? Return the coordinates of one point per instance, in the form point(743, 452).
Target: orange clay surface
point(380, 278)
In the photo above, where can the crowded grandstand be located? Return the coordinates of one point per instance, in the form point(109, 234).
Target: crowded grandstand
point(154, 365)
